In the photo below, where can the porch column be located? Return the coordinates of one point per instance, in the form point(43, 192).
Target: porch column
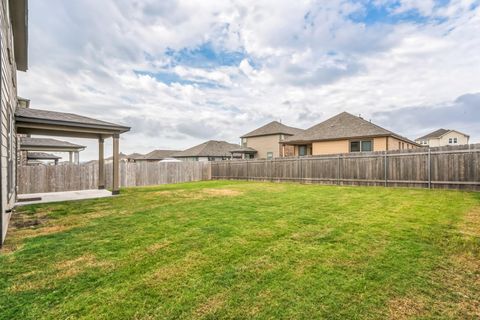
point(116, 164)
point(101, 163)
point(70, 157)
point(77, 157)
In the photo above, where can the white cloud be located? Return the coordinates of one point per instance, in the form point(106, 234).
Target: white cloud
point(302, 61)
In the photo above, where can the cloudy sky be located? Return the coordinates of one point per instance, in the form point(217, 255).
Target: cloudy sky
point(182, 72)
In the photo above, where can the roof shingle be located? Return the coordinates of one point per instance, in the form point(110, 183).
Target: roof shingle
point(210, 148)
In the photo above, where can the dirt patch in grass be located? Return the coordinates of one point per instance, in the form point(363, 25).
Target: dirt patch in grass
point(405, 308)
point(175, 270)
point(222, 192)
point(211, 305)
point(38, 280)
point(70, 268)
point(197, 195)
point(471, 225)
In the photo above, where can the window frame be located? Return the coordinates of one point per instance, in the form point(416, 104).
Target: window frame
point(269, 155)
point(360, 145)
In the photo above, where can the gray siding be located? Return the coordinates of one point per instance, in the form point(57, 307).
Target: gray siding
point(8, 104)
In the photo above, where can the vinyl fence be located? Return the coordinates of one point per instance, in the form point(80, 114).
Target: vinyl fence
point(445, 167)
point(35, 179)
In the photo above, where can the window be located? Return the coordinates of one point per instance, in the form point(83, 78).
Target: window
point(302, 151)
point(361, 146)
point(355, 146)
point(282, 137)
point(269, 155)
point(367, 146)
point(455, 140)
point(450, 140)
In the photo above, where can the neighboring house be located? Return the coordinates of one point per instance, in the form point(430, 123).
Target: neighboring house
point(267, 139)
point(443, 137)
point(156, 155)
point(13, 56)
point(28, 144)
point(35, 158)
point(345, 133)
point(208, 151)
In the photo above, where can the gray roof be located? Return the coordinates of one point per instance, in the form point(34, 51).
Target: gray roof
point(244, 150)
point(343, 126)
point(67, 118)
point(271, 128)
point(48, 143)
point(159, 154)
point(42, 156)
point(438, 133)
point(210, 148)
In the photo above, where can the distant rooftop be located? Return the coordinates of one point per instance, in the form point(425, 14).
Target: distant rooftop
point(271, 128)
point(210, 148)
point(42, 156)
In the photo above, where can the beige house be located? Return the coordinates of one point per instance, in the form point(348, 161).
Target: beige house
point(443, 137)
point(266, 140)
point(346, 133)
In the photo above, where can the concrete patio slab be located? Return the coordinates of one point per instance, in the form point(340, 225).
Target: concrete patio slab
point(33, 198)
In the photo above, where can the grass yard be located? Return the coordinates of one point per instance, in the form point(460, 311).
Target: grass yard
point(223, 249)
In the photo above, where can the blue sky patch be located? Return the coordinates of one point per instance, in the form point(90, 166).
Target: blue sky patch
point(384, 14)
point(171, 77)
point(205, 56)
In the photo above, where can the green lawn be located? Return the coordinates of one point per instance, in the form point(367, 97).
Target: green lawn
point(224, 249)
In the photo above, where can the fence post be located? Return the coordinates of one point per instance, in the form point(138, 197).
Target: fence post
point(338, 170)
point(247, 170)
point(386, 168)
point(429, 168)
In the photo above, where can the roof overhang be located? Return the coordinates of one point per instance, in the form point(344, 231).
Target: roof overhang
point(19, 19)
point(27, 125)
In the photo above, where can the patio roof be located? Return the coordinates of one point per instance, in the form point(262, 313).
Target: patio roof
point(42, 156)
point(43, 122)
point(48, 144)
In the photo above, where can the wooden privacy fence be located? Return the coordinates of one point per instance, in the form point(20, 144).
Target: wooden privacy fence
point(444, 167)
point(35, 179)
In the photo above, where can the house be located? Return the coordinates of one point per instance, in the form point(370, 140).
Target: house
point(443, 137)
point(29, 144)
point(36, 158)
point(208, 151)
point(345, 133)
point(266, 141)
point(13, 56)
point(156, 155)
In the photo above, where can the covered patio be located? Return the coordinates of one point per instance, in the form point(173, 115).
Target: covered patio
point(51, 123)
